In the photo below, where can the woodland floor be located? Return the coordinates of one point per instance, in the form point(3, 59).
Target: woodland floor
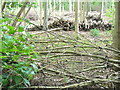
point(62, 70)
point(53, 71)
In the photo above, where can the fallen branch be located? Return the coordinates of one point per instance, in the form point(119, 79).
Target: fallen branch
point(76, 46)
point(68, 75)
point(63, 87)
point(85, 83)
point(80, 54)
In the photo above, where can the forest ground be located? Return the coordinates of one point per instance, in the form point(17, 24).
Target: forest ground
point(57, 71)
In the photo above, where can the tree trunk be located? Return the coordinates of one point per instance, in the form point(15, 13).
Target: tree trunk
point(19, 14)
point(1, 9)
point(45, 26)
point(25, 15)
point(106, 5)
point(73, 6)
point(76, 17)
point(50, 6)
point(0, 45)
point(54, 8)
point(78, 7)
point(40, 12)
point(116, 38)
point(24, 11)
point(90, 6)
point(3, 6)
point(70, 6)
point(84, 10)
point(63, 7)
point(81, 12)
point(60, 7)
point(102, 8)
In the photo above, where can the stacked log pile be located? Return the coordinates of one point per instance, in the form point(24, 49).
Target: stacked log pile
point(35, 28)
point(61, 23)
point(92, 21)
point(95, 21)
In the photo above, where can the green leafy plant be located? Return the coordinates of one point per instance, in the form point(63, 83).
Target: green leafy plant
point(17, 54)
point(95, 32)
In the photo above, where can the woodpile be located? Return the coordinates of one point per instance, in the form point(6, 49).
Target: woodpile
point(95, 21)
point(35, 28)
point(92, 21)
point(61, 23)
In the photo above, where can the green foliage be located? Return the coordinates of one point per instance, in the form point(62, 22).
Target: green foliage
point(111, 14)
point(95, 32)
point(11, 5)
point(17, 71)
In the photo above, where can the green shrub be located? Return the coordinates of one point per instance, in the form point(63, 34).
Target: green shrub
point(16, 70)
point(94, 32)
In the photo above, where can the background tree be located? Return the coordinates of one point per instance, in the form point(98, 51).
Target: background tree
point(45, 26)
point(1, 9)
point(3, 6)
point(70, 6)
point(63, 8)
point(24, 11)
point(19, 14)
point(76, 17)
point(84, 11)
point(81, 11)
point(73, 6)
point(90, 6)
point(116, 37)
point(54, 7)
point(60, 6)
point(50, 5)
point(102, 8)
point(0, 45)
point(40, 11)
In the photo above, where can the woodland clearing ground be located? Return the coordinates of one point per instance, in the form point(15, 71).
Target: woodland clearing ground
point(69, 64)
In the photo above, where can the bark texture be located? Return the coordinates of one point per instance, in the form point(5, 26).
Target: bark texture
point(116, 40)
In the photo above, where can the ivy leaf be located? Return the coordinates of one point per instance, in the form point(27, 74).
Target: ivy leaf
point(20, 29)
point(17, 79)
point(19, 20)
point(11, 29)
point(4, 29)
point(30, 76)
point(15, 57)
point(35, 67)
point(8, 37)
point(3, 57)
point(4, 82)
point(26, 82)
